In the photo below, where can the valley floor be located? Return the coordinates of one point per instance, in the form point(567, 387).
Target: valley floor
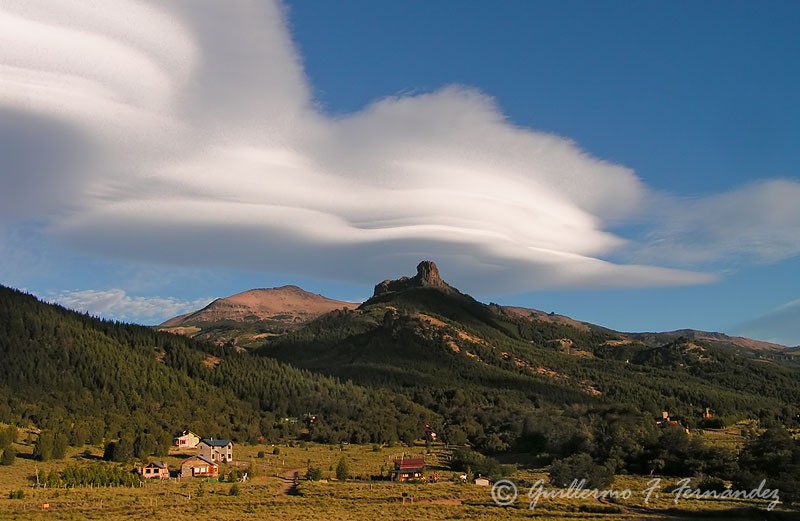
point(271, 494)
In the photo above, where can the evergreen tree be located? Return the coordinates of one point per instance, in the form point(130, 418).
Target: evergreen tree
point(343, 469)
point(59, 445)
point(773, 457)
point(43, 448)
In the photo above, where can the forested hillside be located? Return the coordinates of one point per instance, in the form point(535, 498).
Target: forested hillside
point(497, 378)
point(90, 379)
point(413, 360)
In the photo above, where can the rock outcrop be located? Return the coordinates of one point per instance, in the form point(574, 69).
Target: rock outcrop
point(427, 277)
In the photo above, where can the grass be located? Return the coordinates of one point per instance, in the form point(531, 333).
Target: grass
point(261, 497)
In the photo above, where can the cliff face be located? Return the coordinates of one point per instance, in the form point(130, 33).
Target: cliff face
point(427, 277)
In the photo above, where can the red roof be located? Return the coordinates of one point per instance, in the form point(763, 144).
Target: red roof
point(409, 463)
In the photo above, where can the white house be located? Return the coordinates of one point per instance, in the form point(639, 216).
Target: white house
point(187, 440)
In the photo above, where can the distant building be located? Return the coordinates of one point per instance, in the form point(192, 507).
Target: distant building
point(482, 482)
point(219, 451)
point(408, 469)
point(709, 414)
point(187, 440)
point(199, 467)
point(154, 470)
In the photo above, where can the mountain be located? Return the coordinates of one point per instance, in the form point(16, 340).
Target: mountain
point(420, 337)
point(717, 339)
point(85, 377)
point(250, 316)
point(288, 304)
point(418, 352)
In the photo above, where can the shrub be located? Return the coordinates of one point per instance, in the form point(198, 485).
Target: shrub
point(16, 494)
point(470, 461)
point(314, 474)
point(234, 491)
point(580, 467)
point(276, 451)
point(9, 455)
point(8, 435)
point(712, 484)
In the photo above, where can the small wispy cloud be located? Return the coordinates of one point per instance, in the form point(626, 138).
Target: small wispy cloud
point(781, 325)
point(116, 304)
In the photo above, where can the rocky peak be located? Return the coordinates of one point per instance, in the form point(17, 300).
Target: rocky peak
point(427, 277)
point(428, 274)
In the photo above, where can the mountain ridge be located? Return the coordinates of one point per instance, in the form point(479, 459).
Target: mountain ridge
point(299, 306)
point(288, 304)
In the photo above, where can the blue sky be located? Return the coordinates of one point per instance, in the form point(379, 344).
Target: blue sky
point(632, 164)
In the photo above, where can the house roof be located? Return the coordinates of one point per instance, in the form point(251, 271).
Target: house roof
point(200, 458)
point(215, 443)
point(409, 463)
point(157, 464)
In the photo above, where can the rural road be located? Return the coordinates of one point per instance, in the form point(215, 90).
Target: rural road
point(288, 488)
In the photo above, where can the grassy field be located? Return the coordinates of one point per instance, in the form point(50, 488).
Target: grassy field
point(264, 495)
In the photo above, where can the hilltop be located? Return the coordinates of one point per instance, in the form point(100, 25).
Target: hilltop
point(287, 304)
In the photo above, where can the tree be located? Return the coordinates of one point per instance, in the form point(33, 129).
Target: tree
point(43, 448)
point(144, 445)
point(314, 474)
point(342, 469)
point(79, 434)
point(8, 435)
point(580, 467)
point(9, 455)
point(119, 451)
point(774, 457)
point(59, 446)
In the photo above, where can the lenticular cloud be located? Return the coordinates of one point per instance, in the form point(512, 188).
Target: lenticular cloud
point(200, 144)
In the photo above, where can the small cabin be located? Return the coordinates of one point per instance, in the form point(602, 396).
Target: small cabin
point(187, 440)
point(220, 451)
point(154, 470)
point(482, 482)
point(408, 469)
point(199, 467)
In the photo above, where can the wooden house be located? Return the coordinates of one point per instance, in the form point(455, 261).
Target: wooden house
point(154, 470)
point(219, 451)
point(187, 440)
point(199, 467)
point(408, 469)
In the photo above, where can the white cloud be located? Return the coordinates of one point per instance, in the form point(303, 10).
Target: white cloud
point(755, 223)
point(118, 305)
point(207, 150)
point(781, 325)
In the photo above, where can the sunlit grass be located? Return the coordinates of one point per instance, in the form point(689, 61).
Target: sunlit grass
point(261, 498)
